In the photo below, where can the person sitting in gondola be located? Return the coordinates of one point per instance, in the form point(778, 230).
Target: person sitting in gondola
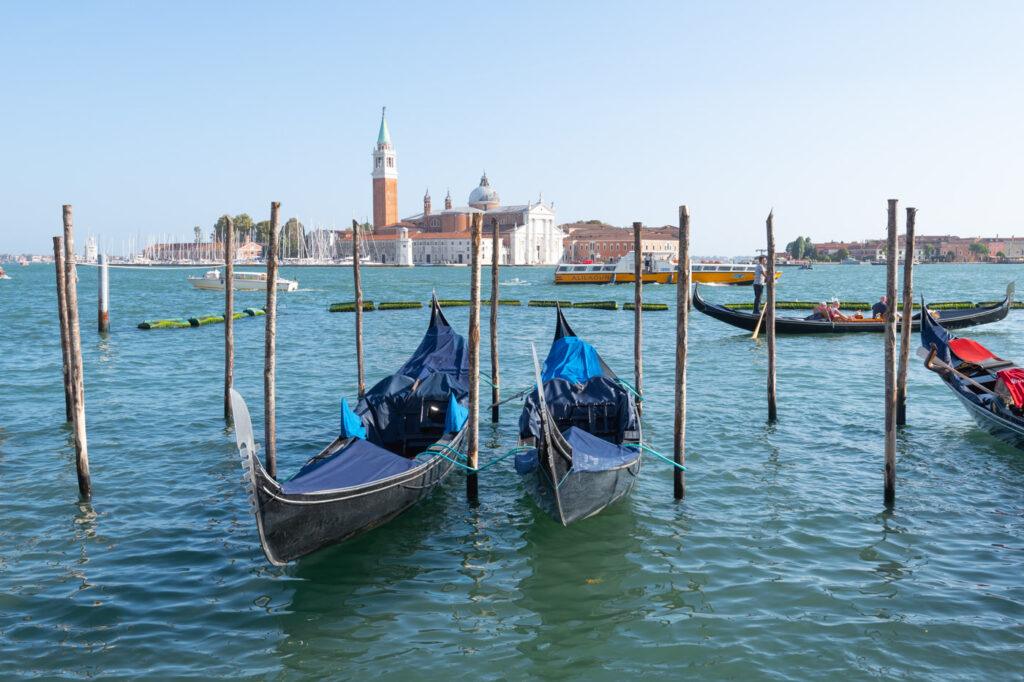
point(834, 314)
point(820, 313)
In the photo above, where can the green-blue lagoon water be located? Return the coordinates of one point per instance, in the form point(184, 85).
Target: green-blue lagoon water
point(781, 563)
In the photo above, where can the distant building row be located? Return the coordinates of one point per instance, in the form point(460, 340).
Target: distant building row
point(934, 248)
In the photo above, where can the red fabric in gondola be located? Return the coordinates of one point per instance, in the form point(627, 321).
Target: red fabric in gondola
point(970, 351)
point(1014, 381)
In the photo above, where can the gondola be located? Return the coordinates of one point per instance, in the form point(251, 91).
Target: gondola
point(951, 319)
point(580, 440)
point(392, 451)
point(992, 389)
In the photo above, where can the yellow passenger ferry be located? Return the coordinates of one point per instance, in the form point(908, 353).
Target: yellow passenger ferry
point(658, 267)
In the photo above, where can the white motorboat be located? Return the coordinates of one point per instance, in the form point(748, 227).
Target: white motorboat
point(242, 281)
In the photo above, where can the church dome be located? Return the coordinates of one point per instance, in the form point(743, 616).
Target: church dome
point(484, 196)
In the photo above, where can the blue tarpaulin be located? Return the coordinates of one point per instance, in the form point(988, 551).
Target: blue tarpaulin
point(572, 359)
point(359, 462)
point(441, 350)
point(590, 453)
point(598, 405)
point(456, 417)
point(351, 425)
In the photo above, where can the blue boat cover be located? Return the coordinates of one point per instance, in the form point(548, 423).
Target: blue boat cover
point(573, 359)
point(357, 463)
point(598, 405)
point(441, 350)
point(589, 453)
point(392, 410)
point(456, 417)
point(351, 425)
point(932, 332)
point(526, 461)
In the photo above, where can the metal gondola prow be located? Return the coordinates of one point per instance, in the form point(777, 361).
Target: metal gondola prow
point(562, 328)
point(437, 318)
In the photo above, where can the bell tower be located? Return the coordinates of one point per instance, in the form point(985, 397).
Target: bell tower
point(385, 178)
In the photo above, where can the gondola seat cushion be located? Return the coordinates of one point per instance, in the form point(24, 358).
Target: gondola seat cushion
point(358, 463)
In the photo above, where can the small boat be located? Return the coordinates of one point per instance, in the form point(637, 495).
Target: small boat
point(4, 275)
point(806, 266)
point(951, 319)
point(991, 388)
point(580, 440)
point(658, 267)
point(242, 281)
point(391, 452)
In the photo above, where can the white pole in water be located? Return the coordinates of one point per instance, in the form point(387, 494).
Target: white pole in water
point(104, 295)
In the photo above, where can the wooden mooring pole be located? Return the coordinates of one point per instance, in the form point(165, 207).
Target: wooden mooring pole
point(638, 297)
point(103, 282)
point(890, 359)
point(769, 314)
point(229, 315)
point(908, 313)
point(77, 379)
point(270, 346)
point(360, 381)
point(473, 441)
point(495, 251)
point(682, 296)
point(62, 313)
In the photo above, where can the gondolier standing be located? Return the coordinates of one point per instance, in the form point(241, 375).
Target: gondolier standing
point(759, 278)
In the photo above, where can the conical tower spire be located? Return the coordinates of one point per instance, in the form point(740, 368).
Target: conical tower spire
point(384, 137)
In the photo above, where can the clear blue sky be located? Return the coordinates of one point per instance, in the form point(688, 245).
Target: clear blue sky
point(153, 117)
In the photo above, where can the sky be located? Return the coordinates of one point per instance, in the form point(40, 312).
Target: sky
point(151, 118)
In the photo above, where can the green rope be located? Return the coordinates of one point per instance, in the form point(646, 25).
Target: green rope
point(563, 478)
point(444, 456)
point(487, 379)
point(511, 452)
point(630, 388)
point(656, 454)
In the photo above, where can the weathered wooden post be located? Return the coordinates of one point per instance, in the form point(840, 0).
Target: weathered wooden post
point(473, 441)
point(890, 360)
point(103, 317)
point(638, 284)
point(495, 250)
point(908, 313)
point(361, 384)
point(269, 424)
point(769, 308)
point(77, 379)
point(62, 313)
point(229, 315)
point(682, 296)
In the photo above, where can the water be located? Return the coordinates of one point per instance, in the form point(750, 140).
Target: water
point(781, 563)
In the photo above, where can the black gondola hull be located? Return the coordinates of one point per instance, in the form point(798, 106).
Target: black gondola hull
point(950, 319)
point(294, 525)
point(1005, 429)
point(581, 494)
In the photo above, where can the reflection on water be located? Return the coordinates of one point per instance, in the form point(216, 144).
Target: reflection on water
point(777, 563)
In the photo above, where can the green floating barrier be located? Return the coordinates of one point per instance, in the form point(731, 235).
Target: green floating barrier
point(398, 305)
point(177, 323)
point(506, 301)
point(597, 305)
point(350, 307)
point(253, 312)
point(645, 306)
point(547, 304)
point(452, 302)
point(205, 319)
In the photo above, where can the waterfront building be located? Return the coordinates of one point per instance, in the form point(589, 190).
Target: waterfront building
point(527, 232)
point(603, 243)
point(385, 178)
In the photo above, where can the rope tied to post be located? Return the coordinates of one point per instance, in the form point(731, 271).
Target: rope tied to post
point(655, 453)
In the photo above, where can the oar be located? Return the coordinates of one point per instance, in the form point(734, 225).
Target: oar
point(929, 358)
point(758, 327)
